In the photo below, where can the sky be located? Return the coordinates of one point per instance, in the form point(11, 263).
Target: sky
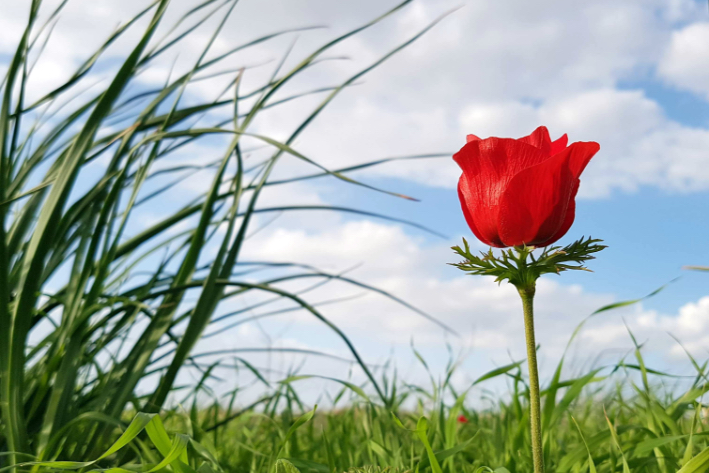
point(631, 75)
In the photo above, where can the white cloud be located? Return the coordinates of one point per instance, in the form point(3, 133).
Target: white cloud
point(689, 326)
point(639, 145)
point(486, 316)
point(502, 69)
point(498, 68)
point(684, 63)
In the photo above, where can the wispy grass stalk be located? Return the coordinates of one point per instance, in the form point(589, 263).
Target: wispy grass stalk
point(77, 167)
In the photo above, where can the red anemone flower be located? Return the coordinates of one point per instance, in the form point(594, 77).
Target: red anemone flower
point(521, 192)
point(462, 419)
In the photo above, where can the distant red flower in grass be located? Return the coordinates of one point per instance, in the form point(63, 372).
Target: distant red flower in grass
point(462, 419)
point(521, 192)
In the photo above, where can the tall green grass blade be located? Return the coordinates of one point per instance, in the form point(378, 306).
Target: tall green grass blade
point(698, 464)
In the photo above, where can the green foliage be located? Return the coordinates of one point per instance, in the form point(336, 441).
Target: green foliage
point(284, 466)
point(623, 417)
point(375, 469)
point(648, 428)
point(97, 294)
point(519, 265)
point(163, 453)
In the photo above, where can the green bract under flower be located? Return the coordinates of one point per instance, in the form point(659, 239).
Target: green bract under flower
point(520, 267)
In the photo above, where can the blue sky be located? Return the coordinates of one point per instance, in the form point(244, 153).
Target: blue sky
point(629, 74)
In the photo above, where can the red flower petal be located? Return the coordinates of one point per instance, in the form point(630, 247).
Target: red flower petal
point(580, 162)
point(568, 220)
point(581, 154)
point(534, 208)
point(559, 145)
point(539, 139)
point(488, 166)
point(464, 199)
point(470, 138)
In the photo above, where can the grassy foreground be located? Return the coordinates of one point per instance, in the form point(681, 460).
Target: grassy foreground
point(109, 271)
point(621, 418)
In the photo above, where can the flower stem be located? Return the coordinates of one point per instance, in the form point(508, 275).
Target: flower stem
point(527, 294)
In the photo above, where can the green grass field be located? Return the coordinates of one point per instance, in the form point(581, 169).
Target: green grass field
point(601, 421)
point(94, 301)
point(626, 417)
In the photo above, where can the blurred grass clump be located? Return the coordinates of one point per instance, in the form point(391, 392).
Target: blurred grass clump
point(100, 311)
point(102, 287)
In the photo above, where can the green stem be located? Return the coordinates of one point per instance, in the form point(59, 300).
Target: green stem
point(527, 294)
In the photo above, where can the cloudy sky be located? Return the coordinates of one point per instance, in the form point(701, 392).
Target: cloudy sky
point(632, 75)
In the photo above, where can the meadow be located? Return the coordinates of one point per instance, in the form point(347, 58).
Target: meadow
point(100, 311)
